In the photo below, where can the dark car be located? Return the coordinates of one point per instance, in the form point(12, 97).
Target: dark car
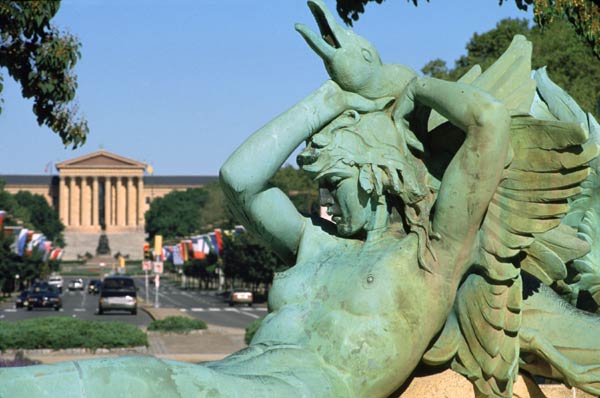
point(21, 300)
point(43, 295)
point(118, 293)
point(94, 286)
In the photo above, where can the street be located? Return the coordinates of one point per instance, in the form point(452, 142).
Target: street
point(198, 304)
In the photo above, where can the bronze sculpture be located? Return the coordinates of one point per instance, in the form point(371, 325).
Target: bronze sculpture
point(452, 205)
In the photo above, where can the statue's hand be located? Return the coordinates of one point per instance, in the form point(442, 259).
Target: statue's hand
point(344, 100)
point(406, 102)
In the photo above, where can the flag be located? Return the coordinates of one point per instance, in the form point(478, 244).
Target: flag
point(198, 253)
point(183, 251)
point(56, 254)
point(219, 239)
point(48, 167)
point(21, 241)
point(213, 240)
point(2, 214)
point(177, 257)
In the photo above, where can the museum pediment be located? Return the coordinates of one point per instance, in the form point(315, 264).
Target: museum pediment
point(100, 159)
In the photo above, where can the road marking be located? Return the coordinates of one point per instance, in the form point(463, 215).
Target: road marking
point(261, 309)
point(197, 309)
point(249, 314)
point(214, 309)
point(183, 309)
point(79, 310)
point(246, 309)
point(10, 310)
point(231, 309)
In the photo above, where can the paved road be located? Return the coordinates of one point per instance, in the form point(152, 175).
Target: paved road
point(203, 305)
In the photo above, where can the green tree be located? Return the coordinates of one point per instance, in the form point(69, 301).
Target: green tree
point(244, 258)
point(583, 15)
point(571, 63)
point(177, 214)
point(41, 59)
point(299, 186)
point(42, 217)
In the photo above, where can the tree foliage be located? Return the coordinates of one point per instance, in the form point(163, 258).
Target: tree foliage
point(246, 259)
point(41, 59)
point(177, 214)
point(583, 15)
point(570, 62)
point(299, 186)
point(41, 216)
point(32, 211)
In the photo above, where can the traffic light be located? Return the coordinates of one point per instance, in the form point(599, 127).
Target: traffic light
point(147, 252)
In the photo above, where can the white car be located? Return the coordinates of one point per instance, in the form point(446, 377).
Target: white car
point(57, 282)
point(76, 284)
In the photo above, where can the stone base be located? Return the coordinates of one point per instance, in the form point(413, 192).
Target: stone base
point(127, 243)
point(452, 385)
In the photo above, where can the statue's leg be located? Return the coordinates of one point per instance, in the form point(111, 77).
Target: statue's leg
point(558, 341)
point(261, 375)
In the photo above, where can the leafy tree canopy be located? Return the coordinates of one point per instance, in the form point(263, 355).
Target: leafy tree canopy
point(583, 15)
point(41, 216)
point(570, 62)
point(33, 212)
point(299, 186)
point(41, 59)
point(177, 214)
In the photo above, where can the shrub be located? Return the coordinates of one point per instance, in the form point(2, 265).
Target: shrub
point(177, 324)
point(251, 330)
point(63, 332)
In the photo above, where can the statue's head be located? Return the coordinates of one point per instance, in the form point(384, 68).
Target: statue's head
point(350, 60)
point(363, 160)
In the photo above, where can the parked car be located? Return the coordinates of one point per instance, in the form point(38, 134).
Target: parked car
point(57, 282)
point(21, 300)
point(94, 286)
point(43, 295)
point(118, 293)
point(240, 296)
point(76, 284)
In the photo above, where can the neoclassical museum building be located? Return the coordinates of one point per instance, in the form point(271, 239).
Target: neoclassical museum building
point(102, 193)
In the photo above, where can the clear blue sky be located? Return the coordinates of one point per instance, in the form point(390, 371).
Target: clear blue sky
point(180, 84)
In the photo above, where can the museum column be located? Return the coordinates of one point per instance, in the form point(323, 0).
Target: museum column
point(95, 196)
point(131, 205)
point(85, 202)
point(63, 201)
point(120, 202)
point(140, 201)
point(107, 202)
point(72, 201)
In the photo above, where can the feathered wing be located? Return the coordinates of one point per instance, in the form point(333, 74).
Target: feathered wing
point(584, 208)
point(521, 230)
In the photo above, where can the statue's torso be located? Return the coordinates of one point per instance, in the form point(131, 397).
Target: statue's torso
point(349, 302)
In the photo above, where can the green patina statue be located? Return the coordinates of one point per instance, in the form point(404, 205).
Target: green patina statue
point(461, 210)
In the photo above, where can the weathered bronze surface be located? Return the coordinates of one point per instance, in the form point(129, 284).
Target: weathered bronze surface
point(495, 182)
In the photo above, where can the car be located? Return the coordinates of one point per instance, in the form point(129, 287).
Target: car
point(43, 295)
point(240, 296)
point(118, 293)
point(57, 282)
point(94, 286)
point(76, 284)
point(21, 300)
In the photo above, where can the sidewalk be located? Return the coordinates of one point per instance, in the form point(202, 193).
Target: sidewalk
point(211, 344)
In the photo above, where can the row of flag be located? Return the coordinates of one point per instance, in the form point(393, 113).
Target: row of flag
point(197, 247)
point(27, 241)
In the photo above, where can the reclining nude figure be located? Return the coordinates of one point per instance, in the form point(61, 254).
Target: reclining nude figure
point(440, 193)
